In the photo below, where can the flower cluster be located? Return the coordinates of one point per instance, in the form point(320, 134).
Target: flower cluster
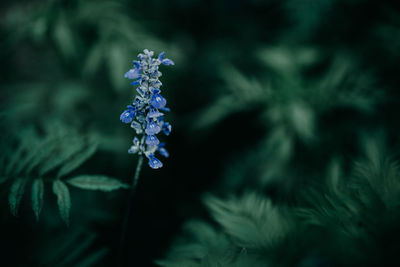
point(145, 114)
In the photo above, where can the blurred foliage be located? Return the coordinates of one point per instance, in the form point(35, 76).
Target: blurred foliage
point(34, 158)
point(336, 222)
point(284, 121)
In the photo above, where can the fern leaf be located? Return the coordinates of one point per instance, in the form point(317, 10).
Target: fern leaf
point(251, 221)
point(37, 196)
point(78, 160)
point(16, 192)
point(96, 182)
point(63, 199)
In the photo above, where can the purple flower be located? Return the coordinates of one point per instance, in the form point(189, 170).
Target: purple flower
point(144, 114)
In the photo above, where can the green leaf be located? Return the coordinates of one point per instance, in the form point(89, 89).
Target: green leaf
point(77, 160)
point(251, 221)
point(37, 196)
point(63, 199)
point(16, 192)
point(96, 182)
point(64, 38)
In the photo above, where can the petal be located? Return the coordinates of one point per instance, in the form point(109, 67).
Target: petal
point(154, 162)
point(127, 116)
point(155, 91)
point(132, 74)
point(138, 128)
point(161, 56)
point(135, 141)
point(152, 140)
point(135, 82)
point(154, 113)
point(166, 128)
point(165, 109)
point(152, 128)
point(167, 62)
point(158, 101)
point(163, 152)
point(136, 64)
point(133, 149)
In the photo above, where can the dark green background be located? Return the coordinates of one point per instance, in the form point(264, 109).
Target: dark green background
point(265, 97)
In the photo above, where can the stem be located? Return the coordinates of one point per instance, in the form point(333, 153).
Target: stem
point(128, 209)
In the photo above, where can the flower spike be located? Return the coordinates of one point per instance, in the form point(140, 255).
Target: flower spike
point(144, 114)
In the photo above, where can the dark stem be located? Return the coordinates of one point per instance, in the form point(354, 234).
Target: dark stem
point(128, 210)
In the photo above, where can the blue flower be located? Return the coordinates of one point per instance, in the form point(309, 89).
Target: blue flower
point(135, 82)
point(135, 147)
point(154, 113)
point(154, 162)
point(132, 74)
point(166, 127)
point(136, 64)
point(152, 140)
point(128, 115)
point(144, 114)
point(167, 62)
point(152, 127)
point(158, 101)
point(137, 126)
point(161, 56)
point(161, 149)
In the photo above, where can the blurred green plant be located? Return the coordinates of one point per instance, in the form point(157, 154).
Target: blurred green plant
point(335, 222)
point(290, 102)
point(113, 34)
point(49, 158)
point(249, 230)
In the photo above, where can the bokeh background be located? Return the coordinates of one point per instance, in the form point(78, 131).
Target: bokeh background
point(284, 143)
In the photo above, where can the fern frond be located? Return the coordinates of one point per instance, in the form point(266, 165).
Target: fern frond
point(63, 199)
point(96, 182)
point(37, 196)
point(17, 190)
